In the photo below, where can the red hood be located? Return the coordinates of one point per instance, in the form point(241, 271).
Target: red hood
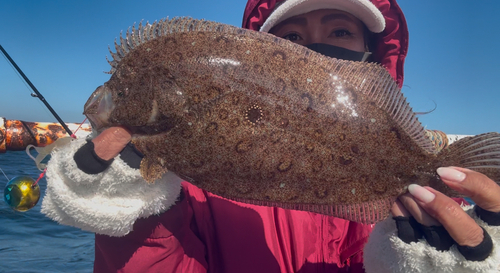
point(392, 42)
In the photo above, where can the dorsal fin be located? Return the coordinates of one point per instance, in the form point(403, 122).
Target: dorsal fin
point(370, 79)
point(383, 90)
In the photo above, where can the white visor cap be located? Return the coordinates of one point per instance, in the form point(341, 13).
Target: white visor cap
point(364, 10)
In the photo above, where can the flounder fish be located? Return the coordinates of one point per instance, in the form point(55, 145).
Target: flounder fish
point(258, 119)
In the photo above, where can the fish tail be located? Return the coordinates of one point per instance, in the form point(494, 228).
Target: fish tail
point(480, 153)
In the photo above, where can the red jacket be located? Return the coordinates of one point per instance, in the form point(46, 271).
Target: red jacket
point(207, 233)
point(204, 232)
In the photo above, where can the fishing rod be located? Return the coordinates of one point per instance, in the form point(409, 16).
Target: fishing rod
point(38, 94)
point(22, 192)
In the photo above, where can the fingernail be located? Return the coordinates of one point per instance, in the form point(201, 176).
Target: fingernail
point(451, 174)
point(421, 193)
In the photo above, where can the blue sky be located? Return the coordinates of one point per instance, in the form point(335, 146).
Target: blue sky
point(61, 46)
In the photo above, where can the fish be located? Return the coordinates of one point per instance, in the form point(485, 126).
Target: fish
point(258, 119)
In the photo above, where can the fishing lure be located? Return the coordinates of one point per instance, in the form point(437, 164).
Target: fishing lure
point(22, 193)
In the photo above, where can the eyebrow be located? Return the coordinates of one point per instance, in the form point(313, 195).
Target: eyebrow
point(301, 21)
point(335, 16)
point(295, 21)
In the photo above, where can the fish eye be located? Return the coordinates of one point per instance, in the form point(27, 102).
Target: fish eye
point(122, 93)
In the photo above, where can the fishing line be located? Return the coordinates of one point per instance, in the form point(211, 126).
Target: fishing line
point(74, 133)
point(18, 75)
point(39, 177)
point(25, 84)
point(4, 174)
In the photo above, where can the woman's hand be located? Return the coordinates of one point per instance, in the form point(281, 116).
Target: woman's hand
point(432, 208)
point(110, 142)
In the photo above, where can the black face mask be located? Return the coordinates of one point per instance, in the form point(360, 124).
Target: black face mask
point(339, 52)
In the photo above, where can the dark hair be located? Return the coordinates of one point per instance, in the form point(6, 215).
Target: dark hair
point(370, 39)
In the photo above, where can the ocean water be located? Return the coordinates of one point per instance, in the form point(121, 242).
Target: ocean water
point(31, 242)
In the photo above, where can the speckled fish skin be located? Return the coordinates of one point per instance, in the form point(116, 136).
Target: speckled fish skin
point(257, 119)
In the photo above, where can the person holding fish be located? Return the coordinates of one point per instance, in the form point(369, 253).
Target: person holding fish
point(174, 226)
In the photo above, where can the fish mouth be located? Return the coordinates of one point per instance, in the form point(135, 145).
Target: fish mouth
point(99, 107)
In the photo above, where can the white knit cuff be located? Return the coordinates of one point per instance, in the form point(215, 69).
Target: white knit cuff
point(106, 203)
point(385, 252)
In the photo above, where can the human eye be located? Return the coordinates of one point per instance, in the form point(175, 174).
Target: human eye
point(340, 33)
point(294, 37)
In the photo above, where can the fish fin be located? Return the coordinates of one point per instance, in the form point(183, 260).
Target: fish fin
point(151, 170)
point(378, 86)
point(144, 33)
point(365, 213)
point(480, 153)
